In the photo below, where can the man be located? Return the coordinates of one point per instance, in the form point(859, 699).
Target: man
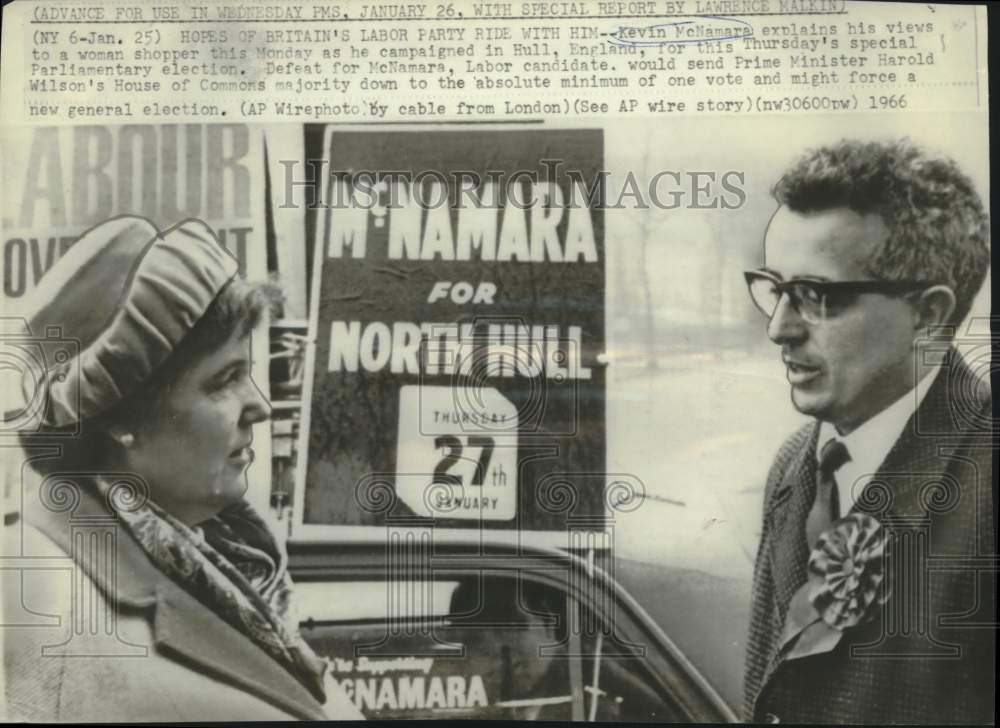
point(871, 262)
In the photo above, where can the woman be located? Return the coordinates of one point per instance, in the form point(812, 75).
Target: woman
point(175, 604)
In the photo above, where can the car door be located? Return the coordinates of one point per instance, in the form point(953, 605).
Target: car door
point(477, 631)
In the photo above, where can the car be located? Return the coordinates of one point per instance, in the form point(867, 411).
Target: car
point(489, 628)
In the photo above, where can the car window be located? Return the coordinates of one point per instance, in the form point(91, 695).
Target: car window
point(482, 646)
point(371, 600)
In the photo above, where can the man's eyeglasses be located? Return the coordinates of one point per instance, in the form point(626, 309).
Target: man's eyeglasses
point(818, 300)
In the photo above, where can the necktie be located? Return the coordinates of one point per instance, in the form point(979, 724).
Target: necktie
point(826, 508)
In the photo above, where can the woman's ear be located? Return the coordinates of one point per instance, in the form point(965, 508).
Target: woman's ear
point(122, 436)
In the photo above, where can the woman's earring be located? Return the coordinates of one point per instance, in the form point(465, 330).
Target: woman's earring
point(127, 440)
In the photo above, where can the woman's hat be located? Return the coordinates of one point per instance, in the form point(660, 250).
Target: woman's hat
point(123, 296)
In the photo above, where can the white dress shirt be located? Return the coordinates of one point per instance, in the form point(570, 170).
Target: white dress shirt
point(870, 443)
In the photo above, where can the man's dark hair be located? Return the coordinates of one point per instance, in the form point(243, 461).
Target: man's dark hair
point(938, 230)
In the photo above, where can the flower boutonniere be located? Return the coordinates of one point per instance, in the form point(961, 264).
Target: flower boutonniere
point(846, 586)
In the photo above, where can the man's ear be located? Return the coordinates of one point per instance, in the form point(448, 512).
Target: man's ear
point(935, 307)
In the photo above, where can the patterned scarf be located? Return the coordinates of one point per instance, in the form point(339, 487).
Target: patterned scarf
point(232, 564)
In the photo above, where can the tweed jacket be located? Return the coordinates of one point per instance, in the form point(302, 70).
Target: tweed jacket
point(106, 636)
point(928, 654)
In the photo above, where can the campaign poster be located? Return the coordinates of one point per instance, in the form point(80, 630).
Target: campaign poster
point(500, 673)
point(62, 181)
point(456, 371)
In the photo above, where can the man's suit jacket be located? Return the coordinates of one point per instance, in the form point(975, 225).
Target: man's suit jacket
point(928, 656)
point(117, 640)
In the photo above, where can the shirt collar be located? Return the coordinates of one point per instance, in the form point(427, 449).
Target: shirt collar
point(869, 444)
